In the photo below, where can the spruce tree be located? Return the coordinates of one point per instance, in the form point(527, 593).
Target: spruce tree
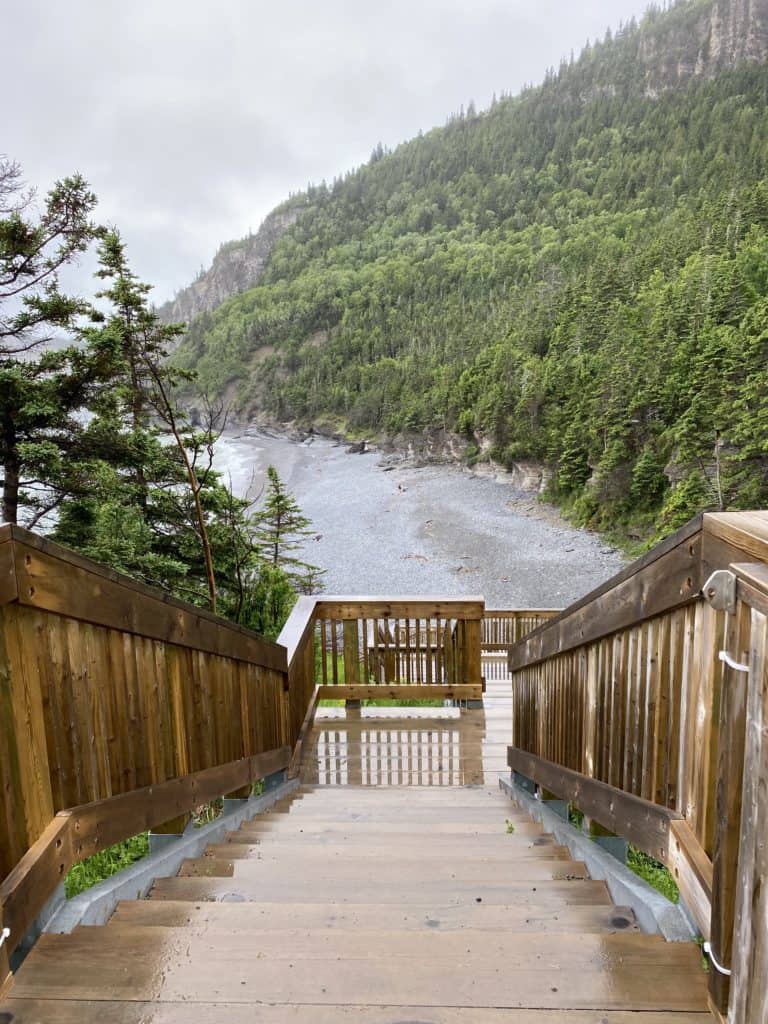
point(281, 530)
point(45, 387)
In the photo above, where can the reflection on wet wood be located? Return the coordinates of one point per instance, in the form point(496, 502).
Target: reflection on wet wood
point(372, 900)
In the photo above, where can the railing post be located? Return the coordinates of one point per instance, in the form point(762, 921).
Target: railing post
point(728, 796)
point(351, 657)
point(472, 656)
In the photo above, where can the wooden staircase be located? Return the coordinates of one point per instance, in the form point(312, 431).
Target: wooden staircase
point(379, 905)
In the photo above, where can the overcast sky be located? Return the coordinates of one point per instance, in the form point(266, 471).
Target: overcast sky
point(192, 119)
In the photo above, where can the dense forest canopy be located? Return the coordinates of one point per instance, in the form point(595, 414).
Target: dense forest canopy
point(578, 275)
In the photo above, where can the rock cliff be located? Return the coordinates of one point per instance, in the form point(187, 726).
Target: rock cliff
point(236, 267)
point(725, 34)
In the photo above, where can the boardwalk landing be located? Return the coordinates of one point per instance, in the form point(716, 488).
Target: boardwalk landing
point(427, 900)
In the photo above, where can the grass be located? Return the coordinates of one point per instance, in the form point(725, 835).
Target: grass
point(645, 867)
point(95, 869)
point(653, 872)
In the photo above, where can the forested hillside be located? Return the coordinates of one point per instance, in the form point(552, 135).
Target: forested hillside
point(578, 275)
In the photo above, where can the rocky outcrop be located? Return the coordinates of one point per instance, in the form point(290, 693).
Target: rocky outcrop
point(703, 39)
point(236, 267)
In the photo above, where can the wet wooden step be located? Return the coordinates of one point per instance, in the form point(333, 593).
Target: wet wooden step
point(288, 825)
point(473, 844)
point(502, 892)
point(179, 945)
point(419, 916)
point(402, 813)
point(37, 1011)
point(500, 853)
point(386, 869)
point(87, 966)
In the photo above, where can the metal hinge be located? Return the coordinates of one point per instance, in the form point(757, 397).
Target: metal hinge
point(720, 591)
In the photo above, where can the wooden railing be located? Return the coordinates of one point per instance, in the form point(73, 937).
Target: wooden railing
point(623, 707)
point(120, 710)
point(403, 648)
point(503, 627)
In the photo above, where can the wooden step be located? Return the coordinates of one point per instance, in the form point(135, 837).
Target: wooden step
point(472, 844)
point(557, 893)
point(500, 853)
point(478, 917)
point(629, 948)
point(385, 869)
point(288, 825)
point(615, 973)
point(37, 1011)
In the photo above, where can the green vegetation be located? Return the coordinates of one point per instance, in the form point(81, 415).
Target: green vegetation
point(95, 869)
point(96, 444)
point(653, 872)
point(578, 275)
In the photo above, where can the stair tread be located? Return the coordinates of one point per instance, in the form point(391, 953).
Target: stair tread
point(419, 916)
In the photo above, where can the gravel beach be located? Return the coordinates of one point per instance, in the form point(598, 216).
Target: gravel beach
point(434, 530)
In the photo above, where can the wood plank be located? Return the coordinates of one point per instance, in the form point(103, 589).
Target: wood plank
point(32, 1011)
point(421, 607)
point(749, 982)
point(630, 948)
point(555, 893)
point(24, 891)
point(747, 531)
point(692, 871)
point(331, 870)
point(303, 739)
point(240, 976)
point(298, 629)
point(502, 851)
point(643, 823)
point(9, 590)
point(57, 580)
point(26, 790)
point(730, 781)
point(428, 917)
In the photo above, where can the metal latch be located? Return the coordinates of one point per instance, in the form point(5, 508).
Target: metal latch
point(720, 591)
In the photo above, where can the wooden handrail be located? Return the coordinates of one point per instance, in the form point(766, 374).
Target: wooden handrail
point(80, 832)
point(36, 573)
point(669, 576)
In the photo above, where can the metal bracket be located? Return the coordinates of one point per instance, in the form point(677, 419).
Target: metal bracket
point(720, 591)
point(718, 966)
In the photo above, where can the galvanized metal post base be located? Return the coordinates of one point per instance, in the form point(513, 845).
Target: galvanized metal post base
point(273, 781)
point(524, 782)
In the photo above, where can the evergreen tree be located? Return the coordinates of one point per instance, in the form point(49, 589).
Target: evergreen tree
point(281, 530)
point(44, 389)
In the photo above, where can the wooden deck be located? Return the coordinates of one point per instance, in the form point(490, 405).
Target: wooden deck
point(397, 885)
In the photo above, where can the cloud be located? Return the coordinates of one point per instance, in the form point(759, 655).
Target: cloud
point(193, 119)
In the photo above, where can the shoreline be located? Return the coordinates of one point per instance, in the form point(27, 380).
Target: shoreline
point(409, 454)
point(389, 526)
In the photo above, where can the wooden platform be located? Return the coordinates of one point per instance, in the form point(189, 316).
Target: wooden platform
point(398, 885)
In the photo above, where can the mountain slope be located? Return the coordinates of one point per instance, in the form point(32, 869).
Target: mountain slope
point(577, 275)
